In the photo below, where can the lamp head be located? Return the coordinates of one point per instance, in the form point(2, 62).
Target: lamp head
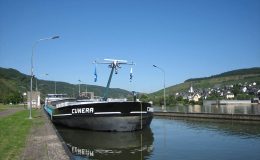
point(55, 37)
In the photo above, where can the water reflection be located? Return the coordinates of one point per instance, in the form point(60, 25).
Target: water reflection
point(205, 139)
point(177, 138)
point(108, 145)
point(243, 129)
point(221, 109)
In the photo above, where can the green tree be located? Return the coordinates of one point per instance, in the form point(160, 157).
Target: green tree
point(244, 96)
point(236, 90)
point(192, 102)
point(144, 98)
point(214, 96)
point(179, 99)
point(13, 98)
point(170, 100)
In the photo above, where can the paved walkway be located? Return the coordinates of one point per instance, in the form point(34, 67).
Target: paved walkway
point(43, 143)
point(10, 111)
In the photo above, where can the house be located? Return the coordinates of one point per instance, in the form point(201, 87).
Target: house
point(185, 96)
point(230, 95)
point(196, 97)
point(87, 95)
point(244, 89)
point(36, 99)
point(255, 100)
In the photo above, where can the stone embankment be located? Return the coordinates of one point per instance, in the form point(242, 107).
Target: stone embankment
point(245, 117)
point(44, 143)
point(226, 102)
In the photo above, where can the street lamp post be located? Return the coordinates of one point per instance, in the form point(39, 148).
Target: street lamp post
point(36, 85)
point(164, 100)
point(33, 47)
point(55, 88)
point(79, 87)
point(36, 82)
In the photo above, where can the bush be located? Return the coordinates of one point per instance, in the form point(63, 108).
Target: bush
point(244, 97)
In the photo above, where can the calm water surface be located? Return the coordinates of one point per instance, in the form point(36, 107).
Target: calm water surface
point(169, 139)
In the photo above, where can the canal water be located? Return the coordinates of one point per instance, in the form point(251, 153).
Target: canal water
point(169, 139)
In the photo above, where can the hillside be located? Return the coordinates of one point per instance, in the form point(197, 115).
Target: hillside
point(240, 72)
point(12, 81)
point(227, 78)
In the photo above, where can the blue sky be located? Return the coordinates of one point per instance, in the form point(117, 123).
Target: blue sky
point(187, 38)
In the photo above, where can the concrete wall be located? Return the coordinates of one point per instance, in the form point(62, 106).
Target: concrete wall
point(210, 116)
point(214, 102)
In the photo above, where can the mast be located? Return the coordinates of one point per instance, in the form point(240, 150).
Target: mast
point(108, 83)
point(114, 65)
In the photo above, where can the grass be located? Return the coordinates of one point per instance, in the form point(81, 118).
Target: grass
point(13, 133)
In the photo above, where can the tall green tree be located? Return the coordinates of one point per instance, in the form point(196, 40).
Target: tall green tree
point(236, 90)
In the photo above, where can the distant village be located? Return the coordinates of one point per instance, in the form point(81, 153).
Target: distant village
point(246, 91)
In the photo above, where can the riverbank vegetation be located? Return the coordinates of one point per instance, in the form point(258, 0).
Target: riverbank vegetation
point(14, 130)
point(13, 85)
point(242, 84)
point(12, 98)
point(170, 100)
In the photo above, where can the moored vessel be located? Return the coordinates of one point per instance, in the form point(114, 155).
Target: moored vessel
point(101, 115)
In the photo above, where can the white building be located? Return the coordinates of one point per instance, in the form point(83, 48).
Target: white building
point(87, 95)
point(230, 96)
point(36, 99)
point(196, 97)
point(191, 89)
point(244, 89)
